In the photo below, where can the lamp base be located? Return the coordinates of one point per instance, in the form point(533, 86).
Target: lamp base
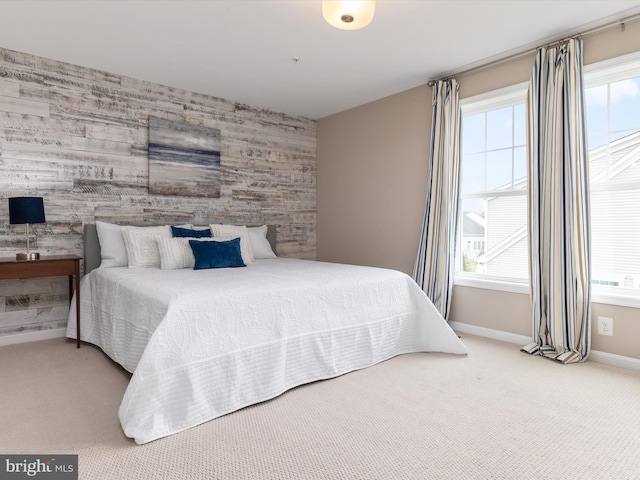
point(28, 256)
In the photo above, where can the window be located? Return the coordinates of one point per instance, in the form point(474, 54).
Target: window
point(612, 97)
point(493, 192)
point(493, 206)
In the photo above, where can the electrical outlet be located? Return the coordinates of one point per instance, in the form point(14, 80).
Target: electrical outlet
point(605, 326)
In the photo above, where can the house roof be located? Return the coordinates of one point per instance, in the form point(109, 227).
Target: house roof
point(472, 225)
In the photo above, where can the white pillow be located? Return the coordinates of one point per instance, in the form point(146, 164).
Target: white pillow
point(259, 244)
point(142, 246)
point(113, 252)
point(175, 253)
point(229, 232)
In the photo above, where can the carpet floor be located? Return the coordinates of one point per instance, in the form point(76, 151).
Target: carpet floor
point(494, 414)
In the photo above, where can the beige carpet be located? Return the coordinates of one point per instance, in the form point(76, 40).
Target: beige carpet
point(497, 413)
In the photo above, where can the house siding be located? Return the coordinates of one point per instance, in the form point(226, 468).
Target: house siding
point(512, 262)
point(500, 214)
point(610, 211)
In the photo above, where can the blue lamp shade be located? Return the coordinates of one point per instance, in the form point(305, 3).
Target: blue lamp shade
point(26, 210)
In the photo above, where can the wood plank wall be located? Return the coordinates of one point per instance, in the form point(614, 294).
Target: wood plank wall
point(78, 137)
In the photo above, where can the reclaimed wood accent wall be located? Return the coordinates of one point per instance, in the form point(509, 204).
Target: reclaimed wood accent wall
point(78, 137)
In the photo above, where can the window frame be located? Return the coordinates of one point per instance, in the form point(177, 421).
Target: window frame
point(601, 73)
point(495, 99)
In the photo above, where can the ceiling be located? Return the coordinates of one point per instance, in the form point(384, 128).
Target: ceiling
point(281, 55)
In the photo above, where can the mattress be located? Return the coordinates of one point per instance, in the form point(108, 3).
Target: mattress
point(204, 343)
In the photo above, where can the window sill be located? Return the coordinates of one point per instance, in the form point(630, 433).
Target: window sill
point(492, 283)
point(614, 296)
point(599, 294)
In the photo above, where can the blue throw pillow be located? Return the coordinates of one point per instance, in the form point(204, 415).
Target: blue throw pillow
point(188, 232)
point(217, 254)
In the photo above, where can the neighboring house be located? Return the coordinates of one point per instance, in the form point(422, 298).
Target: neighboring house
point(473, 241)
point(611, 203)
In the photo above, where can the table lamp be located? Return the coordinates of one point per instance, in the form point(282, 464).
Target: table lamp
point(26, 210)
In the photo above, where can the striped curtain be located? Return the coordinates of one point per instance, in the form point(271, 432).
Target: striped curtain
point(559, 230)
point(435, 264)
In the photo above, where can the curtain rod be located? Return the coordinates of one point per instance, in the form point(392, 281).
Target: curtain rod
point(621, 23)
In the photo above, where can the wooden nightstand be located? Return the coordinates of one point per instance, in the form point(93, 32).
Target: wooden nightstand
point(52, 266)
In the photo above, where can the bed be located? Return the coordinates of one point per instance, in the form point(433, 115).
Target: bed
point(204, 343)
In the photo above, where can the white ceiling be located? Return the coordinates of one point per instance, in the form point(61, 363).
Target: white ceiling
point(242, 50)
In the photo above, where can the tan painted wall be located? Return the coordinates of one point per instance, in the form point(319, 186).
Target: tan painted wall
point(372, 171)
point(372, 179)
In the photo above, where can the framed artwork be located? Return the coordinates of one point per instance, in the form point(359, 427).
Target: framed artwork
point(184, 159)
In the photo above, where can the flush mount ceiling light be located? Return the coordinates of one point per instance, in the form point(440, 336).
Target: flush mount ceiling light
point(348, 14)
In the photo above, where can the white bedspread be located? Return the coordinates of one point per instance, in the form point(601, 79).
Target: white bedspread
point(204, 343)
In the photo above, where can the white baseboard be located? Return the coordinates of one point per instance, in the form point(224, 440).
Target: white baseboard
point(490, 333)
point(614, 360)
point(32, 336)
point(595, 356)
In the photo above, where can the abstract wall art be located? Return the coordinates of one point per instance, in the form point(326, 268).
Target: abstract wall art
point(184, 159)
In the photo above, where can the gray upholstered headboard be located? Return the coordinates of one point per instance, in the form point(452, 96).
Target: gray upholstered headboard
point(91, 248)
point(92, 245)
